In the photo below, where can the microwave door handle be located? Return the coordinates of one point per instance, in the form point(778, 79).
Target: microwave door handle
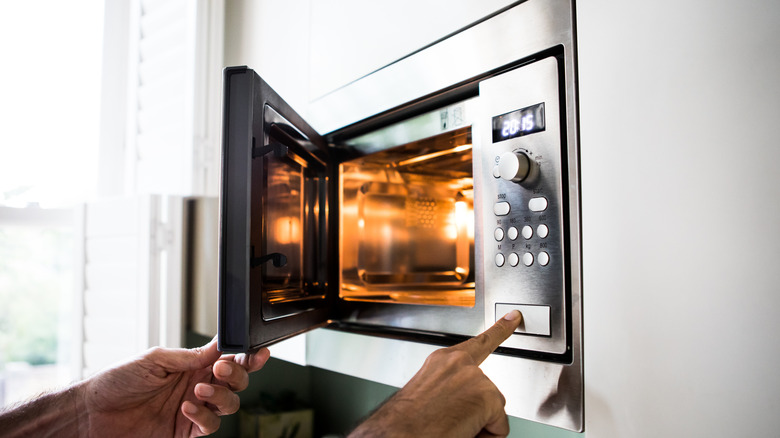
point(298, 155)
point(278, 259)
point(300, 145)
point(278, 149)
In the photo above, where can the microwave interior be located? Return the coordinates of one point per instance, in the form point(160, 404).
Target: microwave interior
point(407, 224)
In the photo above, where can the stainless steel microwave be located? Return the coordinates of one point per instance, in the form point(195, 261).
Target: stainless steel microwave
point(424, 219)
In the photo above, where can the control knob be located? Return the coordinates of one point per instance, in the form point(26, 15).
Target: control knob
point(514, 166)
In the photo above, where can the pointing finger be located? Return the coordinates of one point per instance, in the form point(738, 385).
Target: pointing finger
point(480, 346)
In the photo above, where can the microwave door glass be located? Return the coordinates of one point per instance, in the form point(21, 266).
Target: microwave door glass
point(274, 229)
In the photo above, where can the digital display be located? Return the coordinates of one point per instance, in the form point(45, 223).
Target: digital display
point(518, 123)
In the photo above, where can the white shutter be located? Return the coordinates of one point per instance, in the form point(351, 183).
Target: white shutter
point(174, 84)
point(133, 294)
point(134, 273)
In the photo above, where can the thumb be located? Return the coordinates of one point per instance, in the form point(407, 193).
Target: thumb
point(183, 359)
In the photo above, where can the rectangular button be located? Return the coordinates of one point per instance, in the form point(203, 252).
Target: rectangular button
point(501, 208)
point(536, 319)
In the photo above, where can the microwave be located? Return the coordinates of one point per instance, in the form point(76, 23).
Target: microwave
point(423, 215)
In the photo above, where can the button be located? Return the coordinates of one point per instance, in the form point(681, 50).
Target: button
point(536, 319)
point(528, 232)
point(528, 259)
point(499, 260)
point(498, 234)
point(542, 231)
point(512, 233)
point(501, 208)
point(514, 259)
point(538, 204)
point(496, 172)
point(544, 258)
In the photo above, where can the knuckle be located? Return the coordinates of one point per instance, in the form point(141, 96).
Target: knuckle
point(439, 354)
point(492, 396)
point(436, 357)
point(458, 356)
point(154, 352)
point(232, 404)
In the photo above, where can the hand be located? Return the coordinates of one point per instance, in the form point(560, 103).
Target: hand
point(449, 396)
point(169, 392)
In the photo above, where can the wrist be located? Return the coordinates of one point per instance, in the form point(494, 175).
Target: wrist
point(395, 418)
point(77, 402)
point(59, 414)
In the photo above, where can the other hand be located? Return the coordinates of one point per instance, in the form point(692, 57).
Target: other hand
point(450, 395)
point(169, 392)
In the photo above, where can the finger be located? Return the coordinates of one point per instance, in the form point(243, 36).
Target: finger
point(498, 427)
point(480, 346)
point(182, 359)
point(202, 417)
point(251, 362)
point(223, 399)
point(254, 361)
point(231, 374)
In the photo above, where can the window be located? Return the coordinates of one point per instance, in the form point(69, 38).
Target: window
point(96, 125)
point(50, 83)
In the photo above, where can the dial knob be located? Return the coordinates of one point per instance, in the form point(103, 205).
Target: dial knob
point(514, 166)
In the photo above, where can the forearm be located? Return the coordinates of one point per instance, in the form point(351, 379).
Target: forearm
point(394, 418)
point(59, 414)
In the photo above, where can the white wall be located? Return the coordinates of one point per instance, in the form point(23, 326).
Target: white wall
point(271, 37)
point(305, 48)
point(681, 204)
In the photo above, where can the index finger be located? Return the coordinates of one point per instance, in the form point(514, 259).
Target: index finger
point(479, 347)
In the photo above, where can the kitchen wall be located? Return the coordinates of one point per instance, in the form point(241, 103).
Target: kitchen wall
point(680, 195)
point(305, 49)
point(681, 202)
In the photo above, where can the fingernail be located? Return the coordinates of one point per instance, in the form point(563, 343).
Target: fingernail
point(513, 315)
point(205, 390)
point(190, 408)
point(225, 370)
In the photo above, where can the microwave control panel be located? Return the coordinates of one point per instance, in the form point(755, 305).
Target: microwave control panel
point(523, 205)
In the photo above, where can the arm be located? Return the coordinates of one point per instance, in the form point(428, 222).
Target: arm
point(165, 392)
point(449, 396)
point(55, 414)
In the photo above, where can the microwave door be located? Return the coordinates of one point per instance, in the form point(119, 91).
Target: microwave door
point(274, 218)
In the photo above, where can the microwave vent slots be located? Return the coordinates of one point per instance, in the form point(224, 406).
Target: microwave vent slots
point(422, 212)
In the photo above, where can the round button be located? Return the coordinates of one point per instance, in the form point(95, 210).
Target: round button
point(514, 166)
point(500, 260)
point(498, 234)
point(514, 259)
point(496, 172)
point(512, 233)
point(544, 258)
point(528, 232)
point(542, 231)
point(528, 259)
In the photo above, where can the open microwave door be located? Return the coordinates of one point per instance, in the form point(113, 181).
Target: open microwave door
point(274, 218)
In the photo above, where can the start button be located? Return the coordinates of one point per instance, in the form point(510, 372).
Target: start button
point(536, 318)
